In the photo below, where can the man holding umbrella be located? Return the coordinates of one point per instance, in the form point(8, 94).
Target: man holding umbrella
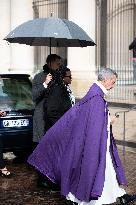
point(51, 100)
point(40, 90)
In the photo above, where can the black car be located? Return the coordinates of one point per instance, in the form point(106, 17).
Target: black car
point(16, 101)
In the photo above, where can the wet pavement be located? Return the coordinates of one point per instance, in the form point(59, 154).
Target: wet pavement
point(21, 188)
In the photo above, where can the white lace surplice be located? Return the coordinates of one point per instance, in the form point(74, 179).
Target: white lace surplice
point(111, 189)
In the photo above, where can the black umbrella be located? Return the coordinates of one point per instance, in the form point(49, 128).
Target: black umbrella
point(52, 32)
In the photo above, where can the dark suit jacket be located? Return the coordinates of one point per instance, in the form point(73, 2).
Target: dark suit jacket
point(57, 104)
point(50, 104)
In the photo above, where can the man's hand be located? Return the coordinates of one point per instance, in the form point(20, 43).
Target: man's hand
point(2, 113)
point(114, 119)
point(48, 79)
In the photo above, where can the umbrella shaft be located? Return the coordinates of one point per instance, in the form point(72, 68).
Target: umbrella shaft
point(50, 46)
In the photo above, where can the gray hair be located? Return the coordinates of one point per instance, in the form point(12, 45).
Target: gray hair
point(106, 73)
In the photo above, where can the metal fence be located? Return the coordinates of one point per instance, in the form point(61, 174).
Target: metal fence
point(123, 142)
point(45, 9)
point(115, 30)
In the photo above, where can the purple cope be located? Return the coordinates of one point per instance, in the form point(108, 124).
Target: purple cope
point(72, 153)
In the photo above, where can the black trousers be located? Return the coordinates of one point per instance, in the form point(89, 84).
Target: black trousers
point(2, 163)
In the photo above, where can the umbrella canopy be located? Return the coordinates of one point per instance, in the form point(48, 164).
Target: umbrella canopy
point(52, 32)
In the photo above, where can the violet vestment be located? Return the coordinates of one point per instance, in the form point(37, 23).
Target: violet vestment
point(73, 152)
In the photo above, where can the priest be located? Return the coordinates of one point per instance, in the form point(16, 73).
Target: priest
point(79, 152)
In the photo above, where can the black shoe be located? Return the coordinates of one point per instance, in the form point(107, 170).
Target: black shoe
point(70, 203)
point(49, 186)
point(127, 199)
point(42, 184)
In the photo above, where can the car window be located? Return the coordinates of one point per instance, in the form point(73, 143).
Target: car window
point(15, 93)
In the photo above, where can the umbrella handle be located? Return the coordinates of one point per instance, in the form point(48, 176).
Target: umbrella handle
point(50, 46)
